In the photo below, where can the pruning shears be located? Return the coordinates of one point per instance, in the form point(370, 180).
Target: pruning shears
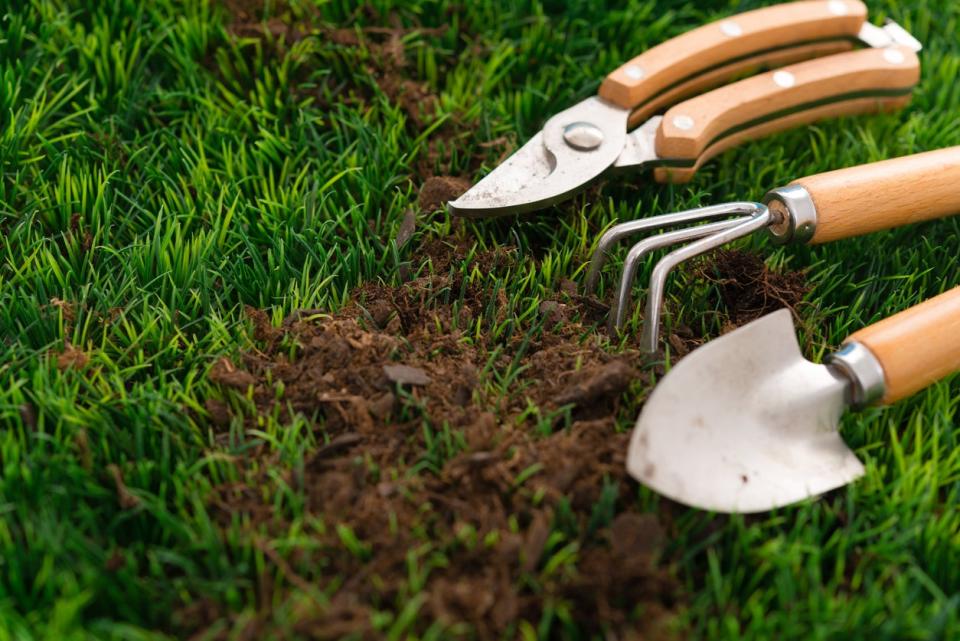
point(816, 73)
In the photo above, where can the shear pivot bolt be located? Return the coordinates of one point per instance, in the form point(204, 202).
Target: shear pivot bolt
point(683, 122)
point(583, 135)
point(893, 56)
point(784, 79)
point(634, 72)
point(837, 7)
point(731, 28)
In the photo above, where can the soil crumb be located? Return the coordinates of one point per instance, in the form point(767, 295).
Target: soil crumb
point(72, 357)
point(483, 462)
point(437, 190)
point(748, 288)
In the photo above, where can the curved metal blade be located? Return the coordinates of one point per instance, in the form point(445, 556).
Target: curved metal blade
point(744, 424)
point(547, 169)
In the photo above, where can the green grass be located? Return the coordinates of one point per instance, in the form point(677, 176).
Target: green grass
point(158, 174)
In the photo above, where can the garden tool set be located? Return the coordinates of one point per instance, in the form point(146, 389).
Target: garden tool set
point(745, 423)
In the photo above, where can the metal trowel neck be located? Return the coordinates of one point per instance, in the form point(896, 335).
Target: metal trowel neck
point(861, 368)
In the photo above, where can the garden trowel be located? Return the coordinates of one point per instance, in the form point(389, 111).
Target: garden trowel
point(747, 424)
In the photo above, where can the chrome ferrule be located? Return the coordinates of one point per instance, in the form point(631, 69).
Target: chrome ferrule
point(795, 215)
point(855, 362)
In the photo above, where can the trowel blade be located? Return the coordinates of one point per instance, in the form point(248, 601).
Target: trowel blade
point(744, 424)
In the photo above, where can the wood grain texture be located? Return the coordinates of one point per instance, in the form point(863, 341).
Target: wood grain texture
point(697, 129)
point(722, 75)
point(834, 110)
point(885, 194)
point(916, 347)
point(718, 43)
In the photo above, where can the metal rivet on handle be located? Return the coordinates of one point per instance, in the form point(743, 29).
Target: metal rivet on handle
point(837, 7)
point(893, 56)
point(731, 28)
point(583, 135)
point(683, 122)
point(784, 79)
point(634, 72)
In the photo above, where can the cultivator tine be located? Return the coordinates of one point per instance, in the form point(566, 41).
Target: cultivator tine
point(658, 278)
point(621, 303)
point(740, 218)
point(618, 232)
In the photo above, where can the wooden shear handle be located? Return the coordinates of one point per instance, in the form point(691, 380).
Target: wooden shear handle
point(717, 52)
point(856, 82)
point(916, 347)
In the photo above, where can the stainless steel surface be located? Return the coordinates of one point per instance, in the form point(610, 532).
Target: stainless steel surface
point(867, 381)
point(658, 278)
point(795, 214)
point(888, 35)
point(744, 424)
point(582, 136)
point(547, 169)
point(621, 303)
point(620, 231)
point(901, 36)
point(641, 146)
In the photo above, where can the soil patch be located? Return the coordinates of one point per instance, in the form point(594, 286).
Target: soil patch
point(748, 288)
point(493, 466)
point(437, 190)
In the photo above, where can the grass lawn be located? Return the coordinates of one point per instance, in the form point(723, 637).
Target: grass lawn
point(218, 226)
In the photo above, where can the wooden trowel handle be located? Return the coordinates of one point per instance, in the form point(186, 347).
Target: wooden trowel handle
point(916, 347)
point(881, 195)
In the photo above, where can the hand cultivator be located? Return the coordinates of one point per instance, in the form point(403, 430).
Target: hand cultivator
point(816, 209)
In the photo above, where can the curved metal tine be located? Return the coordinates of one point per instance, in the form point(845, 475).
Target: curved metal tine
point(651, 320)
point(618, 232)
point(618, 312)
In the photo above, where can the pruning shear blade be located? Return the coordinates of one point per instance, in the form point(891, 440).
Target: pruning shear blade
point(574, 147)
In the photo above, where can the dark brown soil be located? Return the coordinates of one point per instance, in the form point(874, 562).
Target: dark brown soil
point(72, 357)
point(426, 451)
point(748, 288)
point(437, 190)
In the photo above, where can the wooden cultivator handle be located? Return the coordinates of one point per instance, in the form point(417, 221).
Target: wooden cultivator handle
point(881, 195)
point(856, 82)
point(715, 53)
point(916, 347)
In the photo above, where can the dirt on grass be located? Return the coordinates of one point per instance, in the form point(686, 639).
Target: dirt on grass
point(495, 467)
point(436, 191)
point(748, 288)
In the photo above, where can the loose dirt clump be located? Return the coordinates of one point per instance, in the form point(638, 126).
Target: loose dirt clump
point(493, 467)
point(248, 19)
point(748, 288)
point(72, 357)
point(437, 190)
